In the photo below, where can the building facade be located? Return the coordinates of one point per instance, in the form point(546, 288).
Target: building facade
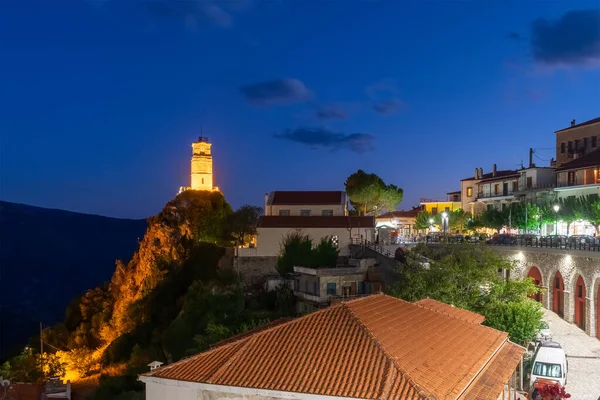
point(306, 203)
point(577, 140)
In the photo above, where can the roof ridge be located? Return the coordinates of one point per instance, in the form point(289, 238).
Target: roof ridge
point(417, 303)
point(420, 390)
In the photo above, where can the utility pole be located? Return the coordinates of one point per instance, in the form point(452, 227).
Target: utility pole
point(530, 157)
point(41, 350)
point(526, 217)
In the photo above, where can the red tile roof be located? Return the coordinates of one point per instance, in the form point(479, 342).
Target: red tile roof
point(590, 159)
point(296, 221)
point(452, 311)
point(590, 122)
point(489, 176)
point(377, 347)
point(308, 198)
point(400, 214)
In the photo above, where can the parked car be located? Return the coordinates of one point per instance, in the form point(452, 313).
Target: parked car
point(554, 240)
point(544, 334)
point(503, 238)
point(582, 240)
point(549, 362)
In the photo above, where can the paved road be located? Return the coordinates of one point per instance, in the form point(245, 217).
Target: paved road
point(583, 354)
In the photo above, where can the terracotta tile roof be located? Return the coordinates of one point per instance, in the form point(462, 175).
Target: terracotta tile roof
point(590, 122)
point(489, 175)
point(495, 375)
point(376, 347)
point(452, 311)
point(400, 214)
point(587, 160)
point(300, 198)
point(296, 221)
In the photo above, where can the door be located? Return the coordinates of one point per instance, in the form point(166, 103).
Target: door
point(505, 189)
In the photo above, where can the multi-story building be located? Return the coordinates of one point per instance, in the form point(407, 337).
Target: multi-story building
point(306, 203)
point(401, 222)
point(579, 177)
point(314, 213)
point(435, 206)
point(492, 189)
point(577, 140)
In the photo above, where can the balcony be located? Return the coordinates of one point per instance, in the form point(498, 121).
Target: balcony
point(542, 186)
point(496, 196)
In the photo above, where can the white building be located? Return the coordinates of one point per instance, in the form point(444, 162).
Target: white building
point(306, 203)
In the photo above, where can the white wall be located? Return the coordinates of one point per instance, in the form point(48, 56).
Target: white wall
point(488, 188)
point(269, 239)
point(338, 209)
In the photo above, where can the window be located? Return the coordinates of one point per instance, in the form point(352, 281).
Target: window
point(571, 178)
point(496, 188)
point(434, 210)
point(547, 369)
point(515, 186)
point(585, 142)
point(447, 208)
point(203, 181)
point(335, 240)
point(570, 146)
point(469, 191)
point(594, 141)
point(331, 289)
point(529, 182)
point(297, 285)
point(580, 291)
point(576, 145)
point(305, 286)
point(563, 147)
point(305, 213)
point(284, 213)
point(315, 288)
point(327, 213)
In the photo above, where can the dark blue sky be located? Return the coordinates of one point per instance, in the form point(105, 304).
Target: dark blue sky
point(101, 99)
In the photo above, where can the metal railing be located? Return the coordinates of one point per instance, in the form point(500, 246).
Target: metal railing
point(556, 242)
point(373, 246)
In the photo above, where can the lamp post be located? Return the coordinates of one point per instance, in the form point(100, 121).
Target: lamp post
point(556, 208)
point(445, 222)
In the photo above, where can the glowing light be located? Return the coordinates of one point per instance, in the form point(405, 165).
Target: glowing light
point(444, 214)
point(556, 207)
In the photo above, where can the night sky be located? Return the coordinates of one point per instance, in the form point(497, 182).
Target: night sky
point(100, 100)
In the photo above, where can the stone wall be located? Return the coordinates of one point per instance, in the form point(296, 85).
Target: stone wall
point(254, 270)
point(570, 264)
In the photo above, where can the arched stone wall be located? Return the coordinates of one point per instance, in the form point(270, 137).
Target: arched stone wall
point(570, 264)
point(538, 279)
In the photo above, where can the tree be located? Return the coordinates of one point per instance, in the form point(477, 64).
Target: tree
point(422, 220)
point(243, 221)
point(297, 250)
point(570, 210)
point(493, 219)
point(457, 220)
point(524, 216)
point(368, 193)
point(590, 210)
point(467, 277)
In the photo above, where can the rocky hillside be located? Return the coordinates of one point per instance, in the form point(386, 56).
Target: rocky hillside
point(48, 257)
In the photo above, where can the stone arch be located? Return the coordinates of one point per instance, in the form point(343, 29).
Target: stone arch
point(579, 296)
point(595, 309)
point(557, 286)
point(535, 274)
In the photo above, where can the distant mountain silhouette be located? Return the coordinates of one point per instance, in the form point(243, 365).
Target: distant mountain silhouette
point(48, 257)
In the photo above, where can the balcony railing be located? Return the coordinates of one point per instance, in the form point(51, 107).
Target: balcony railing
point(537, 187)
point(503, 193)
point(557, 242)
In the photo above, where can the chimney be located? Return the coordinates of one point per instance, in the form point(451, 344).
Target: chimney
point(494, 170)
point(267, 204)
point(572, 122)
point(480, 173)
point(476, 173)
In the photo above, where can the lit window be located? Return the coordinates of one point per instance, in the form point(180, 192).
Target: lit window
point(327, 213)
point(335, 240)
point(284, 213)
point(496, 188)
point(469, 191)
point(305, 213)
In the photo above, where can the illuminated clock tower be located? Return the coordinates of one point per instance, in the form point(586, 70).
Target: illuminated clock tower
point(202, 165)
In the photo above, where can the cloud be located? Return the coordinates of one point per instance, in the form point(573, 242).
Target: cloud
point(574, 39)
point(331, 112)
point(217, 15)
point(276, 92)
point(514, 36)
point(219, 12)
point(325, 138)
point(387, 107)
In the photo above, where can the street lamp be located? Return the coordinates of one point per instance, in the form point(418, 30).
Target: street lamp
point(556, 208)
point(445, 221)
